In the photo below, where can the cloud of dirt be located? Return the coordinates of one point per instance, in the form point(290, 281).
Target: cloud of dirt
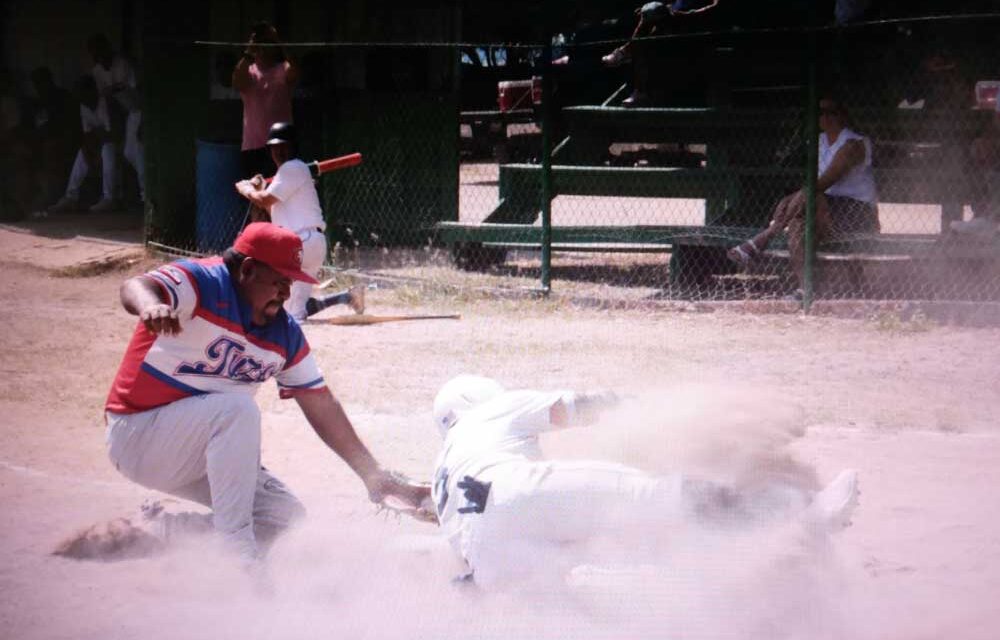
point(738, 437)
point(366, 577)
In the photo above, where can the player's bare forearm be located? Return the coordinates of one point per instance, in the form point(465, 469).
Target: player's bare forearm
point(142, 297)
point(139, 293)
point(582, 409)
point(327, 418)
point(259, 197)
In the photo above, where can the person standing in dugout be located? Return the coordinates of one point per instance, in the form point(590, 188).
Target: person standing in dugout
point(265, 78)
point(181, 414)
point(291, 201)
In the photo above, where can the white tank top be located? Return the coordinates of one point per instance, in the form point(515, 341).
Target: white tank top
point(859, 182)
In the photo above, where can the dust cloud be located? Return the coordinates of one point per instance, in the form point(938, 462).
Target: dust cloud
point(371, 577)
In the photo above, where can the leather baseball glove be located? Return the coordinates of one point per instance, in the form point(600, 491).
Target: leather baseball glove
point(397, 494)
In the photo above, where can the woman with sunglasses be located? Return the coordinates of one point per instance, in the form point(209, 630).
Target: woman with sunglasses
point(846, 196)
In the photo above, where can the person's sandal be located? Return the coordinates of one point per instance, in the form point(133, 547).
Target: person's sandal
point(744, 254)
point(618, 57)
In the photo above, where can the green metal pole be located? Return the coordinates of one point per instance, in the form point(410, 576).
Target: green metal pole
point(812, 154)
point(546, 167)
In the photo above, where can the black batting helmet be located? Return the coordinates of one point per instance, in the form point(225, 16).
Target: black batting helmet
point(281, 133)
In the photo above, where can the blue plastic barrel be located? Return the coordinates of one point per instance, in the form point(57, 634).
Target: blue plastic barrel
point(219, 210)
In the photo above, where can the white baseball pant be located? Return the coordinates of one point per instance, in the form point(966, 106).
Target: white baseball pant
point(207, 449)
point(539, 514)
point(543, 518)
point(314, 248)
point(133, 150)
point(81, 169)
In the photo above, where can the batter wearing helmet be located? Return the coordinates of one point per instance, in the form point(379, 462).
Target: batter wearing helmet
point(291, 201)
point(514, 516)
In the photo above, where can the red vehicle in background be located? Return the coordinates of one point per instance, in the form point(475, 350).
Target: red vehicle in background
point(494, 107)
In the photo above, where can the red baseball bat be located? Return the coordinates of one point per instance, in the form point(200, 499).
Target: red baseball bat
point(319, 167)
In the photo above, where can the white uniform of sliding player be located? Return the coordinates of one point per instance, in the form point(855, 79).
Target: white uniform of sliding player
point(513, 515)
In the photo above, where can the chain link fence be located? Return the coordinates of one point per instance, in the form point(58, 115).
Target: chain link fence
point(724, 164)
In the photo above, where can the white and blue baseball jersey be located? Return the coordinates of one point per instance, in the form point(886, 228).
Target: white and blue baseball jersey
point(218, 349)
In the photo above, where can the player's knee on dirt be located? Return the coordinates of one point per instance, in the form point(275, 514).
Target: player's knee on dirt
point(274, 504)
point(275, 509)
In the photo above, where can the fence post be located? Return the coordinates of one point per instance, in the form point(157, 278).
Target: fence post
point(546, 167)
point(812, 153)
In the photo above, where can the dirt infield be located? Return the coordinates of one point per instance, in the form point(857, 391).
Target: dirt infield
point(911, 405)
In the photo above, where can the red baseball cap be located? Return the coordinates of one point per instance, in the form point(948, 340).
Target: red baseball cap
point(276, 247)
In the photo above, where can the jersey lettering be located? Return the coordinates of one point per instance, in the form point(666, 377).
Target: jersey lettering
point(227, 358)
point(441, 488)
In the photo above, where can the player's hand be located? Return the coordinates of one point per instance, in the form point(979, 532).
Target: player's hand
point(245, 188)
point(257, 181)
point(161, 319)
point(389, 483)
point(396, 492)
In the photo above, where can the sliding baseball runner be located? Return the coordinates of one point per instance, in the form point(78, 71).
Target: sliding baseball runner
point(517, 517)
point(290, 200)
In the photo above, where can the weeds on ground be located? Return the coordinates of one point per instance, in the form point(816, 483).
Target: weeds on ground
point(120, 262)
point(896, 321)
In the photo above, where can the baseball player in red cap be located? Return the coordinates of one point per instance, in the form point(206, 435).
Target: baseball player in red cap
point(181, 413)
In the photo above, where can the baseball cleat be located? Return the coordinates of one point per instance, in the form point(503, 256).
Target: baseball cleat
point(833, 507)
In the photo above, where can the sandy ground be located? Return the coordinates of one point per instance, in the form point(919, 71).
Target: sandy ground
point(913, 408)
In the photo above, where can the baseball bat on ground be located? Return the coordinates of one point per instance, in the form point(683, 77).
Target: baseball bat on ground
point(365, 319)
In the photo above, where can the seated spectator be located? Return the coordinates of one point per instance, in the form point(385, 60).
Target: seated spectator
point(653, 19)
point(97, 149)
point(265, 78)
point(846, 197)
